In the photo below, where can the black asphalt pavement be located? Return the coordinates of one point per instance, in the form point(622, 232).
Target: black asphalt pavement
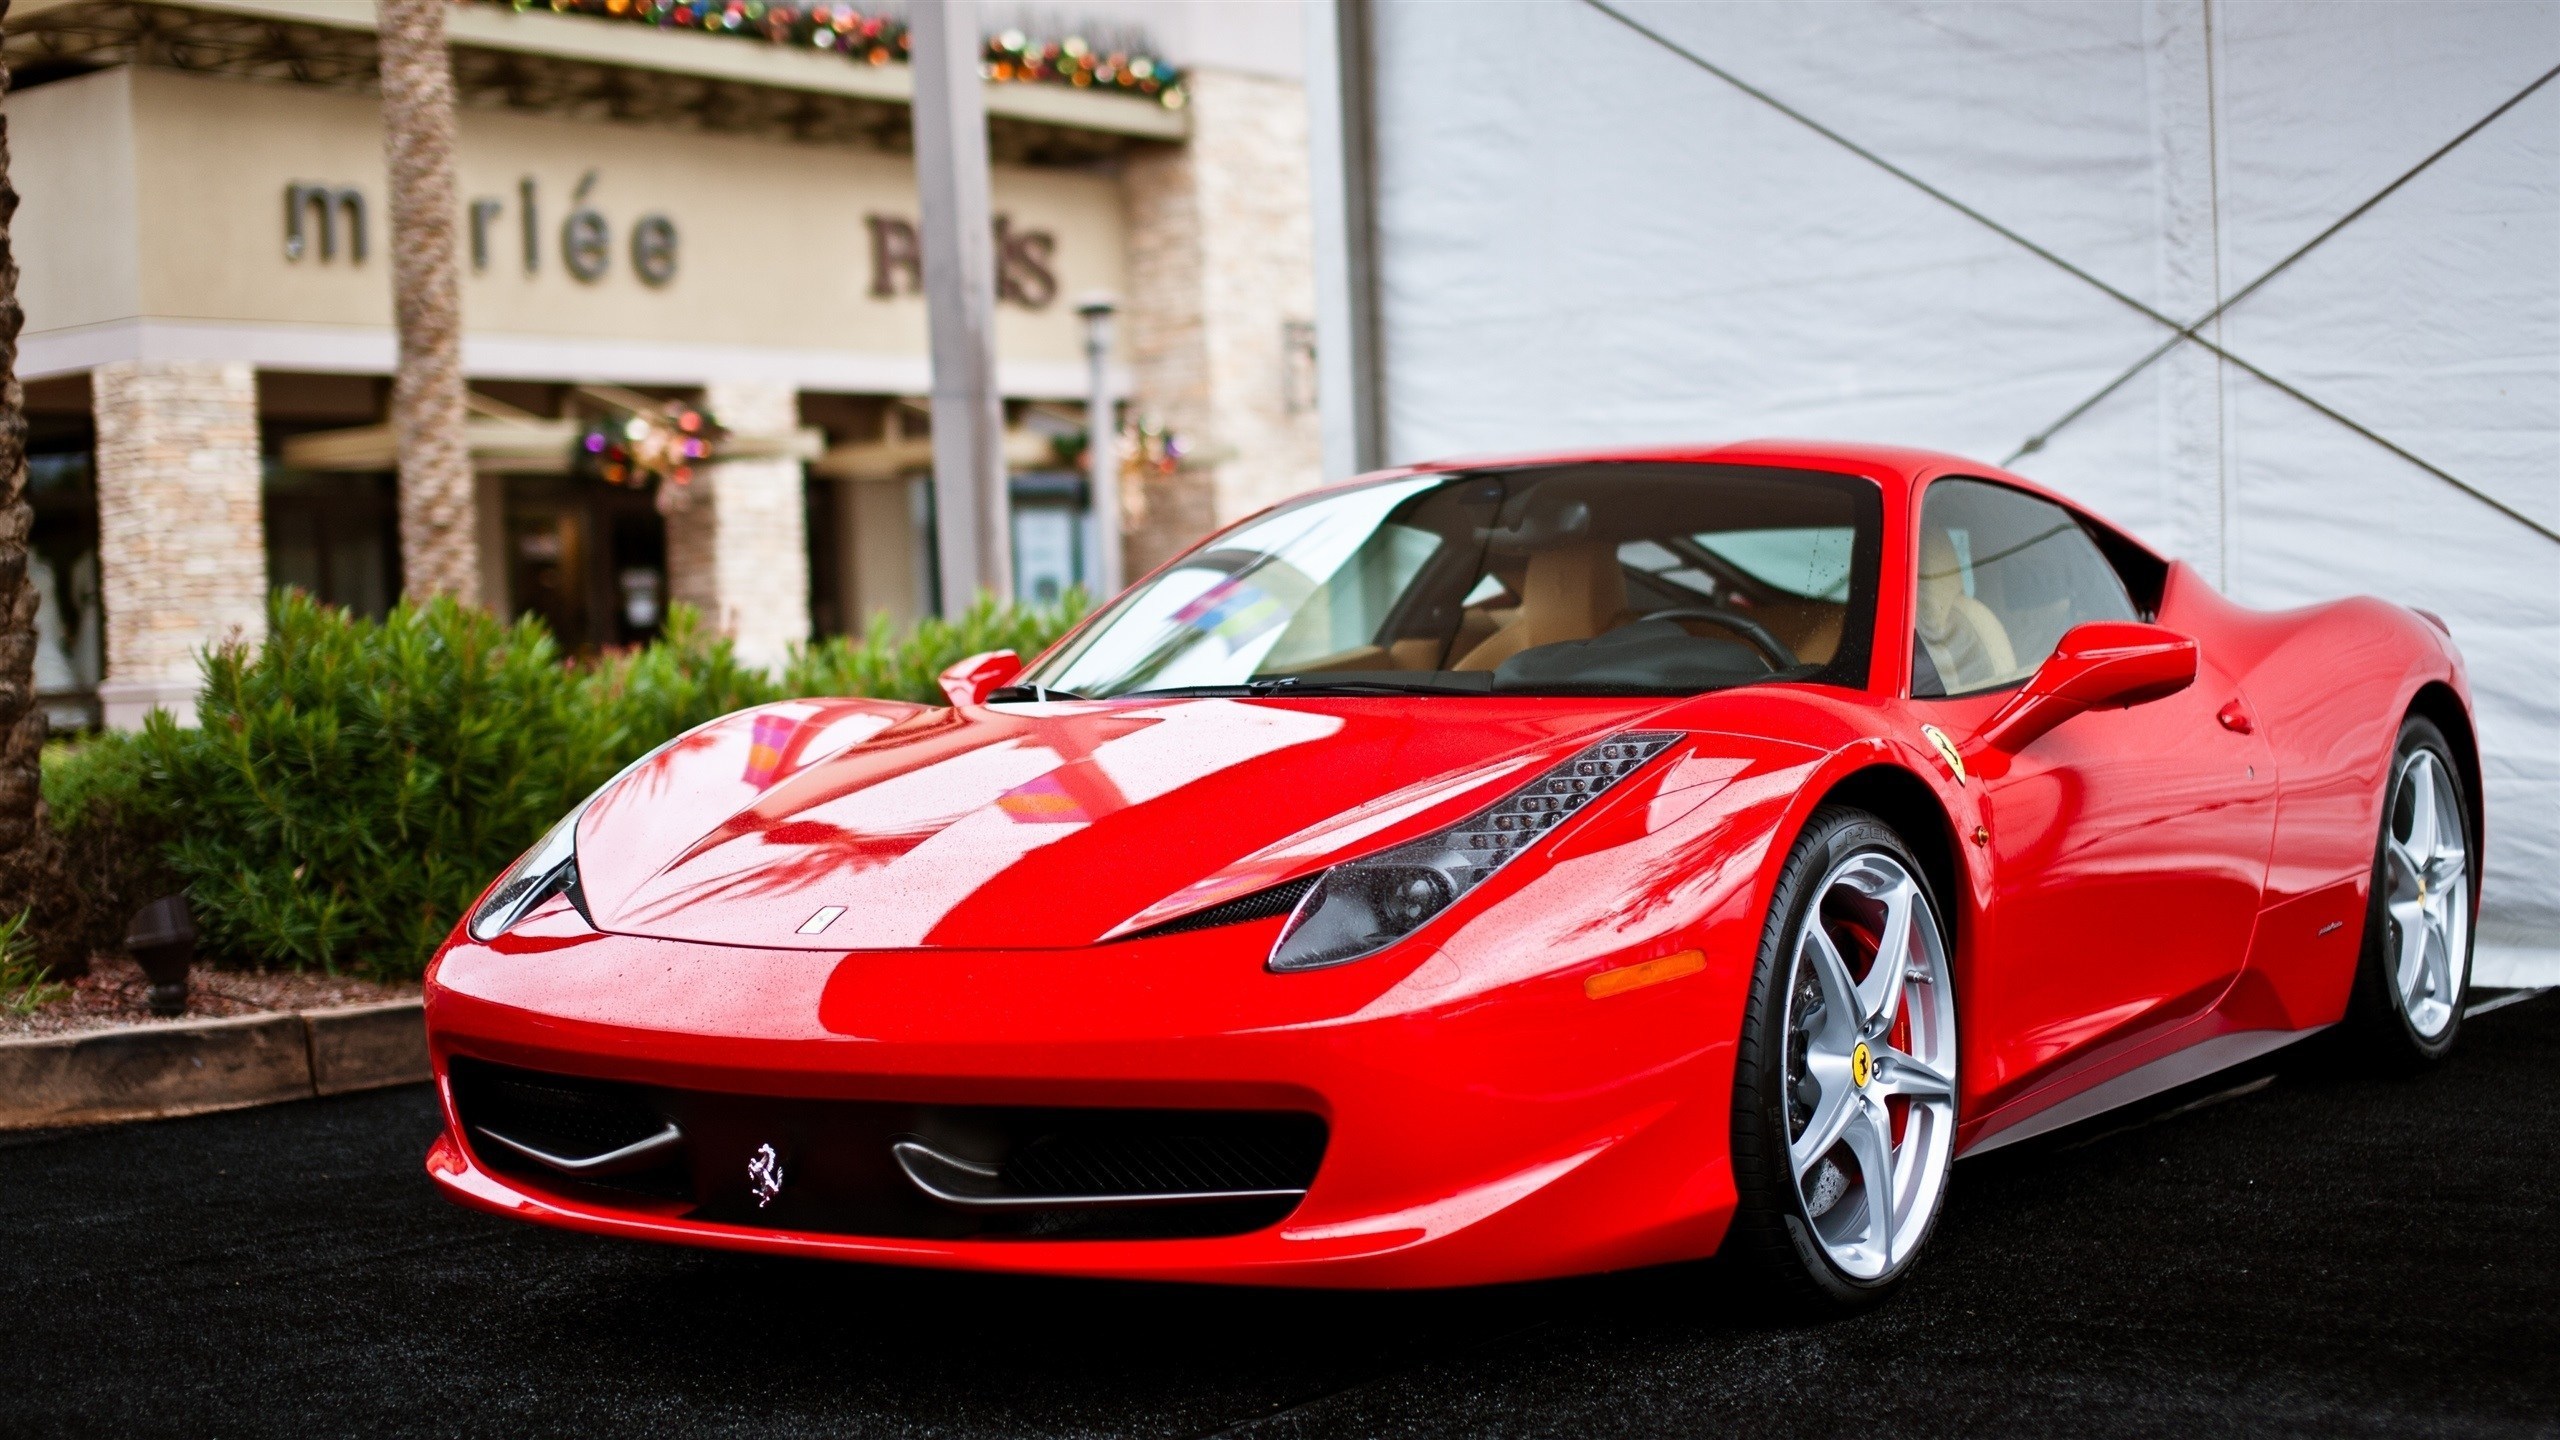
point(2326, 1254)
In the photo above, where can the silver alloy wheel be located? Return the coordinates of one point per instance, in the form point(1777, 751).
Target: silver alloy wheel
point(2427, 902)
point(1871, 1065)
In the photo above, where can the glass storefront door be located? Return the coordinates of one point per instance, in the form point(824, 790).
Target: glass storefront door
point(1053, 535)
point(589, 559)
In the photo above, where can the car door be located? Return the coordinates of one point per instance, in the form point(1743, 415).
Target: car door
point(2127, 848)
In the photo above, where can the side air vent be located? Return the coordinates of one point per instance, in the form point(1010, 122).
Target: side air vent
point(1260, 905)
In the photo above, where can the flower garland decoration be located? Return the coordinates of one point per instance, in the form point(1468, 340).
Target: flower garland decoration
point(1145, 448)
point(874, 39)
point(640, 448)
point(1149, 448)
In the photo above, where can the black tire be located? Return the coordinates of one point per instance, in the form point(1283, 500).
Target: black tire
point(2378, 1029)
point(1771, 1241)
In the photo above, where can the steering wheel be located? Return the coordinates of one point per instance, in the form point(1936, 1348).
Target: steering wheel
point(1771, 648)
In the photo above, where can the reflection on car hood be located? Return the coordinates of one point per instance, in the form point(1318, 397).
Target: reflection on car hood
point(1041, 826)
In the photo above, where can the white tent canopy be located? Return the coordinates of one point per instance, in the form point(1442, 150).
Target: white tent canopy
point(1957, 226)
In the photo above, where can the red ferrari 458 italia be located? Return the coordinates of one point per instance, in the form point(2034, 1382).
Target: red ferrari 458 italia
point(1476, 872)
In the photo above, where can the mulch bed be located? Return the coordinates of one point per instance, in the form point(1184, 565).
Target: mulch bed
point(116, 993)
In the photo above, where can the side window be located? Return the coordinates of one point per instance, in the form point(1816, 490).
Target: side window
point(2002, 576)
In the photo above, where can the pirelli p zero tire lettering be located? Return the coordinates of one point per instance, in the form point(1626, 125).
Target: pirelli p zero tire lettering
point(1844, 1106)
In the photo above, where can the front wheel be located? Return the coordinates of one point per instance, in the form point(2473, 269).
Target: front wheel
point(1844, 1108)
point(2416, 964)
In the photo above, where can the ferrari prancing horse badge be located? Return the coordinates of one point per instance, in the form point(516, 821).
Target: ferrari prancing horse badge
point(764, 1174)
point(1946, 750)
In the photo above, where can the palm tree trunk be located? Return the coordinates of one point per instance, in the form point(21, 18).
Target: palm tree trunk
point(439, 544)
point(30, 854)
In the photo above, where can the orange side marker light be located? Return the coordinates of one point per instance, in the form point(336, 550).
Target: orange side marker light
point(1649, 972)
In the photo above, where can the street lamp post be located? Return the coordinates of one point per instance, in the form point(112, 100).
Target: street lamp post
point(1102, 446)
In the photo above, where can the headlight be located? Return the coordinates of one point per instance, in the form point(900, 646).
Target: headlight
point(542, 872)
point(1363, 905)
point(550, 867)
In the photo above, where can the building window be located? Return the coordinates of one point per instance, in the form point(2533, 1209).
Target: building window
point(335, 537)
point(62, 564)
point(1052, 535)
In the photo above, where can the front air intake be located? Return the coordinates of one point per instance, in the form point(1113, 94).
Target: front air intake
point(1106, 1161)
point(590, 1130)
point(884, 1167)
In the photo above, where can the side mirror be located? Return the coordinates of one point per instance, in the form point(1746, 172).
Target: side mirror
point(971, 681)
point(2103, 665)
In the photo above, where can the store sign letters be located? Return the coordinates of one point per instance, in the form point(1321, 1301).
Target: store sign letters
point(325, 207)
point(328, 224)
point(1023, 276)
point(317, 218)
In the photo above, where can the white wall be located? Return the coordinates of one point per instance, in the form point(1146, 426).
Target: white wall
point(1584, 238)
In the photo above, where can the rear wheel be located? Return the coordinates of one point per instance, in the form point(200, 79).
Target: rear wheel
point(1844, 1089)
point(2416, 965)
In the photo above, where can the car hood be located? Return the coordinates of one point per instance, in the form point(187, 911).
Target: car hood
point(1035, 826)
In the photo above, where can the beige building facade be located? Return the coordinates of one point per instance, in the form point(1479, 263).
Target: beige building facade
point(208, 341)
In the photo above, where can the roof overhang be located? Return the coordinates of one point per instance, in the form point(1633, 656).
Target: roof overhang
point(291, 39)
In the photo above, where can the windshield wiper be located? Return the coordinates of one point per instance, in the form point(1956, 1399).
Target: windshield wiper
point(1010, 694)
point(1319, 685)
point(1246, 690)
point(1312, 685)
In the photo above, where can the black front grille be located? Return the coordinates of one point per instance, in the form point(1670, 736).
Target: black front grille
point(1280, 899)
point(1274, 1152)
point(840, 1175)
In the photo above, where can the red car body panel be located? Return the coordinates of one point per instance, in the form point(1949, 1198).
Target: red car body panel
point(2140, 893)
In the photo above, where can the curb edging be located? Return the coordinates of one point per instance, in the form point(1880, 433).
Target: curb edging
point(192, 1067)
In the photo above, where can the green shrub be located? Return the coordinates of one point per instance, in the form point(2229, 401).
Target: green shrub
point(114, 834)
point(23, 986)
point(688, 676)
point(91, 774)
point(350, 785)
point(883, 665)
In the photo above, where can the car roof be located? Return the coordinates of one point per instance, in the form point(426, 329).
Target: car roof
point(1900, 469)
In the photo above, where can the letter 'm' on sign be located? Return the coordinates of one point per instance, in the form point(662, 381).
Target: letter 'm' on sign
point(322, 205)
point(897, 257)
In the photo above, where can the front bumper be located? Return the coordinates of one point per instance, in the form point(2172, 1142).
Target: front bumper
point(1486, 1120)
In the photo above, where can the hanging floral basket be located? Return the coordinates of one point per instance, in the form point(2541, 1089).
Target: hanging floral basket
point(647, 446)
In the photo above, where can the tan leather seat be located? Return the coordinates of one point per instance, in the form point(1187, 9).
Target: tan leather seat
point(1572, 592)
point(1966, 641)
point(1818, 639)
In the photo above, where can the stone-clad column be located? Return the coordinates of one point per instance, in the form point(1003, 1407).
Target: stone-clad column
point(182, 550)
point(738, 548)
point(1220, 307)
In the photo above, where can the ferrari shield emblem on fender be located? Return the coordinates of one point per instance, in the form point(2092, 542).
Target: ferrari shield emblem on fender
point(764, 1174)
point(1946, 750)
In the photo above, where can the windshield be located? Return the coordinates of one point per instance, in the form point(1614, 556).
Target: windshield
point(1598, 579)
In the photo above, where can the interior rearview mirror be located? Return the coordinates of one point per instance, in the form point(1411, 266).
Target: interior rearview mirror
point(2103, 665)
point(971, 681)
